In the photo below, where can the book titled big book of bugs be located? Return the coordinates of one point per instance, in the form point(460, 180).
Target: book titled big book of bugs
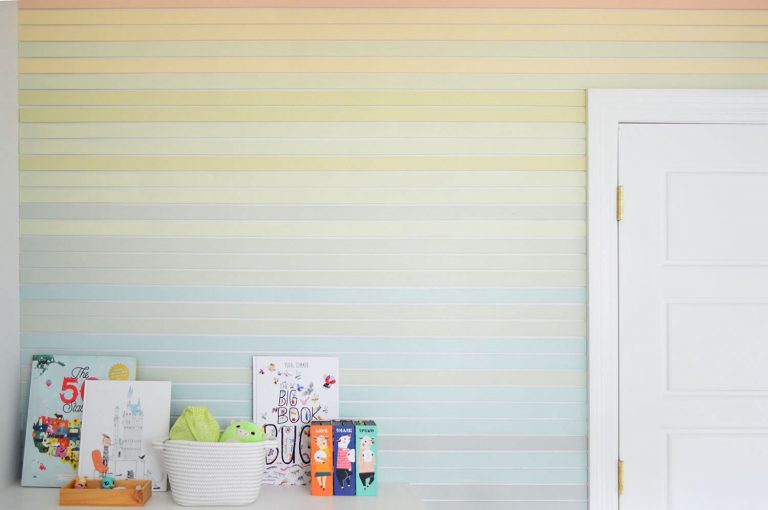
point(289, 393)
point(54, 420)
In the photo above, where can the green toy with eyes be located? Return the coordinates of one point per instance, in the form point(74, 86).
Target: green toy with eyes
point(242, 432)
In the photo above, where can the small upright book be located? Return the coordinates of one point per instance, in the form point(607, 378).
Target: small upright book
point(321, 465)
point(344, 458)
point(289, 393)
point(367, 453)
point(121, 419)
point(53, 425)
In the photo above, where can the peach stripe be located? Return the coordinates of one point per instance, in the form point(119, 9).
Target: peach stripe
point(400, 4)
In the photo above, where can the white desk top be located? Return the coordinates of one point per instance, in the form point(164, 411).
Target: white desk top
point(391, 497)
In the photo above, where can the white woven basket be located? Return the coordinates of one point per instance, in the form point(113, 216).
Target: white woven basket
point(215, 474)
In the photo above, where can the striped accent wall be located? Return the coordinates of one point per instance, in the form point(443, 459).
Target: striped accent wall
point(399, 183)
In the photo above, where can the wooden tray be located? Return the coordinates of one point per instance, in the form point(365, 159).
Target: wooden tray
point(94, 495)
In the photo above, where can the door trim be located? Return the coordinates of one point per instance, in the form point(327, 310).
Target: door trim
point(607, 109)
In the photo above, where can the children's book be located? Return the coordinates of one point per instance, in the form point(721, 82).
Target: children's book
point(344, 459)
point(367, 453)
point(321, 465)
point(288, 394)
point(121, 419)
point(54, 418)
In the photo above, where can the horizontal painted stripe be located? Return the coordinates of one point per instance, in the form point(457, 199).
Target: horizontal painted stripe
point(305, 229)
point(367, 147)
point(490, 475)
point(292, 130)
point(151, 326)
point(434, 377)
point(355, 32)
point(303, 295)
point(308, 114)
point(409, 361)
point(298, 262)
point(234, 16)
point(365, 278)
point(271, 98)
point(301, 164)
point(303, 179)
point(347, 81)
point(441, 504)
point(315, 344)
point(507, 49)
point(461, 443)
point(214, 244)
point(300, 212)
point(549, 4)
point(411, 65)
point(504, 460)
point(480, 492)
point(301, 196)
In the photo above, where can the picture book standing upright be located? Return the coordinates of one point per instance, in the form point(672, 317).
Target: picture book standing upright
point(289, 394)
point(321, 466)
point(120, 422)
point(54, 418)
point(367, 457)
point(344, 458)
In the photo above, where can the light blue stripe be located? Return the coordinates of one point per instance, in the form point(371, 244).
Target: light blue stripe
point(305, 294)
point(378, 410)
point(288, 344)
point(398, 393)
point(502, 460)
point(488, 476)
point(409, 361)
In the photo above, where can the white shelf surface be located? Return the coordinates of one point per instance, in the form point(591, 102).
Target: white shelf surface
point(391, 497)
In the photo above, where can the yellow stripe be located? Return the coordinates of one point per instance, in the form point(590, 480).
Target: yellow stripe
point(308, 114)
point(287, 164)
point(362, 32)
point(531, 229)
point(395, 65)
point(256, 98)
point(300, 179)
point(471, 195)
point(389, 16)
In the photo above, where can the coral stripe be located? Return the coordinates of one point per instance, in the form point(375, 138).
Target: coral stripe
point(532, 4)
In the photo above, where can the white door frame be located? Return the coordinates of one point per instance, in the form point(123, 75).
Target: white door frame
point(606, 110)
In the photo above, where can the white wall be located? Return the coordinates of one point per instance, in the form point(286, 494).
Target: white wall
point(10, 451)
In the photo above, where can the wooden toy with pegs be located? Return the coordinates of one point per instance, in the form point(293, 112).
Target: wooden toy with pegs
point(123, 493)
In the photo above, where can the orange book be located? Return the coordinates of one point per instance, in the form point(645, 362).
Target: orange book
point(321, 464)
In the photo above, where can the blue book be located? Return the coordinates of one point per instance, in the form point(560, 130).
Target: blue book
point(344, 458)
point(52, 429)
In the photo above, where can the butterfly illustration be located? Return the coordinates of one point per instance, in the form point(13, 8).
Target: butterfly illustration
point(271, 367)
point(274, 409)
point(309, 389)
point(299, 387)
point(275, 380)
point(315, 398)
point(261, 371)
point(264, 416)
point(304, 401)
point(329, 380)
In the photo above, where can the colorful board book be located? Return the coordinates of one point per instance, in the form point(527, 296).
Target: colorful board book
point(289, 393)
point(344, 458)
point(53, 426)
point(121, 419)
point(321, 465)
point(367, 452)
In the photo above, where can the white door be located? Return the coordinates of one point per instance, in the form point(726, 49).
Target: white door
point(693, 319)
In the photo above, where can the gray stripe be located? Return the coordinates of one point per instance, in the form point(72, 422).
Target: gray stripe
point(505, 505)
point(520, 443)
point(503, 492)
point(299, 245)
point(287, 213)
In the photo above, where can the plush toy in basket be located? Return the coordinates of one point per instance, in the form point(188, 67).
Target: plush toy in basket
point(227, 470)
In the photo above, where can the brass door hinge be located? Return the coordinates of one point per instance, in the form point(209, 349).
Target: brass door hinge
point(621, 477)
point(619, 203)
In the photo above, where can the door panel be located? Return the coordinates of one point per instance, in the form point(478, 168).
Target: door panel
point(693, 320)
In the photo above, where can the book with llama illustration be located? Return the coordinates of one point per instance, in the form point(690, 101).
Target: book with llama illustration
point(288, 394)
point(52, 430)
point(366, 452)
point(120, 422)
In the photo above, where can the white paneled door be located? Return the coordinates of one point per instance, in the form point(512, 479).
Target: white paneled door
point(693, 319)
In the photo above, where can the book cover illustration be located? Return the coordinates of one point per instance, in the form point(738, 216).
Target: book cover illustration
point(120, 421)
point(366, 433)
point(52, 429)
point(288, 394)
point(344, 458)
point(321, 435)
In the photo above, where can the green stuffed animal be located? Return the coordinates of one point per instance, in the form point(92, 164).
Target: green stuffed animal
point(242, 432)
